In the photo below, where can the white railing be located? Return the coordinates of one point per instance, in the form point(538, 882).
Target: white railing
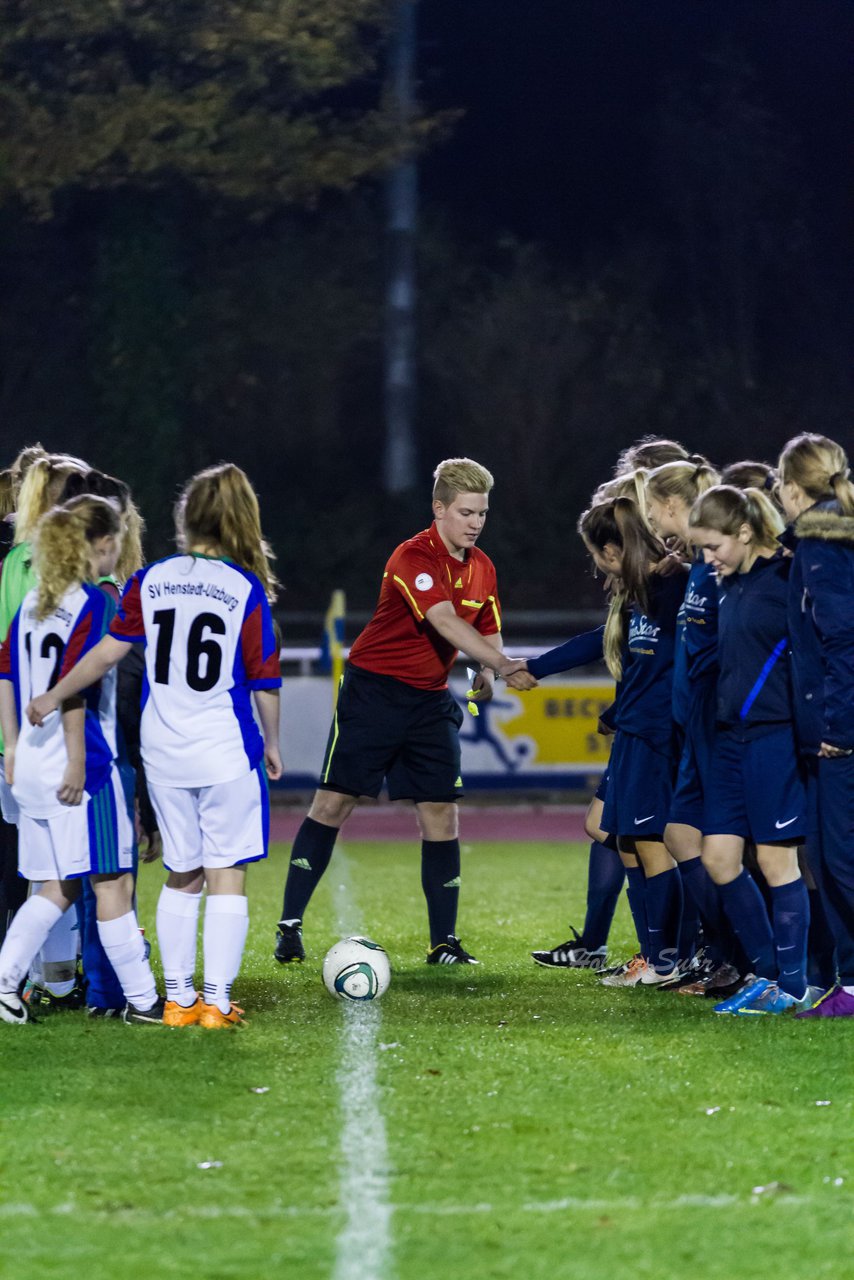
point(304, 658)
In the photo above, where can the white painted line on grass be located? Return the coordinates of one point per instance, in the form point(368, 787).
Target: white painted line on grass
point(363, 1246)
point(274, 1212)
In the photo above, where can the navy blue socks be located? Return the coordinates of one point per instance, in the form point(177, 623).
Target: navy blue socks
point(791, 913)
point(663, 913)
point(440, 880)
point(310, 856)
point(636, 894)
point(605, 877)
point(745, 908)
point(701, 889)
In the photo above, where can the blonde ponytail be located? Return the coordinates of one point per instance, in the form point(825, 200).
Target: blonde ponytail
point(684, 480)
point(614, 640)
point(131, 557)
point(40, 488)
point(725, 509)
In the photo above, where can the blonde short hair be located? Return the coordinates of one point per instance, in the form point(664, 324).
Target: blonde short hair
point(459, 475)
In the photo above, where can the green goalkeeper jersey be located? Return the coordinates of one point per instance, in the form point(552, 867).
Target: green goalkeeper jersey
point(16, 579)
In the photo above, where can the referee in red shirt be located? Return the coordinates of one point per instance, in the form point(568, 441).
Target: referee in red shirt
point(396, 719)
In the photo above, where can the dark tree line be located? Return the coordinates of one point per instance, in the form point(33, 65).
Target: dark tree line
point(191, 264)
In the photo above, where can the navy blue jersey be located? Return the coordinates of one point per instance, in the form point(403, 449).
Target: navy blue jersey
point(754, 652)
point(701, 623)
point(644, 708)
point(696, 659)
point(681, 701)
point(821, 621)
point(580, 651)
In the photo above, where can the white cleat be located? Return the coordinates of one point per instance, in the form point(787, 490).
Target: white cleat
point(12, 1007)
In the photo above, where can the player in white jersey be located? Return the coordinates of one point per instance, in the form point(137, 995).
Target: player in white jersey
point(204, 617)
point(71, 759)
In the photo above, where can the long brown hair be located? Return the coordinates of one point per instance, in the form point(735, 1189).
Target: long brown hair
point(219, 509)
point(619, 521)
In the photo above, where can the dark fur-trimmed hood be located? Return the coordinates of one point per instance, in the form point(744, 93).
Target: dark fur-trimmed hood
point(826, 523)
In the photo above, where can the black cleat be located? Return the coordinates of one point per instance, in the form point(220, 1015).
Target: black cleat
point(144, 1017)
point(289, 942)
point(103, 1011)
point(572, 955)
point(686, 975)
point(38, 997)
point(450, 952)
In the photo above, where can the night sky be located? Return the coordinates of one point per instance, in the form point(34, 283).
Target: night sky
point(561, 99)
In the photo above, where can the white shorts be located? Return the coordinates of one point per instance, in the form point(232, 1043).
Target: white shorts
point(92, 838)
point(8, 803)
point(223, 825)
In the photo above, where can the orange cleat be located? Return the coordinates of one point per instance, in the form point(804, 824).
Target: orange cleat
point(211, 1016)
point(179, 1015)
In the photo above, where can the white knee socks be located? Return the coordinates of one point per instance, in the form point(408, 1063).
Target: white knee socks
point(177, 921)
point(123, 943)
point(226, 926)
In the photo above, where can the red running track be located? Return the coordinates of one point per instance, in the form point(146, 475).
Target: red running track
point(385, 821)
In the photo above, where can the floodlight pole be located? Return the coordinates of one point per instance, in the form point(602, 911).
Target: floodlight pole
point(401, 220)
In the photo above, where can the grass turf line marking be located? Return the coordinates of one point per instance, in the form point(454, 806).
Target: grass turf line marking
point(364, 1242)
point(568, 1204)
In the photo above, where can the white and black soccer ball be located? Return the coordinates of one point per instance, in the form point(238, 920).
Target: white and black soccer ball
point(356, 969)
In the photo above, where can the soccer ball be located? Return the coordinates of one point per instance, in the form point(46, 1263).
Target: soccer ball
point(356, 969)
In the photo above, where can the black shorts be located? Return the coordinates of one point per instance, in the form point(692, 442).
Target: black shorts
point(385, 729)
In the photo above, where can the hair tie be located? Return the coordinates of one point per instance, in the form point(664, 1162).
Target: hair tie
point(769, 481)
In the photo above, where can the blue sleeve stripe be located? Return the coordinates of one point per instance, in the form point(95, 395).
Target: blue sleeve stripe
point(777, 651)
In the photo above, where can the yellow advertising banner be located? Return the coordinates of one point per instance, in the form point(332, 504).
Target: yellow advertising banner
point(553, 729)
point(561, 720)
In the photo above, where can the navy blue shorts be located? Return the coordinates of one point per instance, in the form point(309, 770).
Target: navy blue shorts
point(610, 842)
point(385, 730)
point(640, 787)
point(757, 789)
point(688, 805)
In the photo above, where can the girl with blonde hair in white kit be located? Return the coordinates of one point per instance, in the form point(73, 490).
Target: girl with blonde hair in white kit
point(73, 822)
point(210, 651)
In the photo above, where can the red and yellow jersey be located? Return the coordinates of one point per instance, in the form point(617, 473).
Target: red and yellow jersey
point(398, 641)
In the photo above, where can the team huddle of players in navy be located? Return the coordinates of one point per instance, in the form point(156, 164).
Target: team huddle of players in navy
point(139, 707)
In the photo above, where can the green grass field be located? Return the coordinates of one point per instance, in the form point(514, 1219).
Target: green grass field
point(499, 1121)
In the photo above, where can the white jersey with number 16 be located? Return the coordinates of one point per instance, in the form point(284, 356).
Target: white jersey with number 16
point(209, 641)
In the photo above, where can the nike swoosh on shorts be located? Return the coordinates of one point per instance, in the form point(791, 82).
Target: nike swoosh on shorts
point(787, 823)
